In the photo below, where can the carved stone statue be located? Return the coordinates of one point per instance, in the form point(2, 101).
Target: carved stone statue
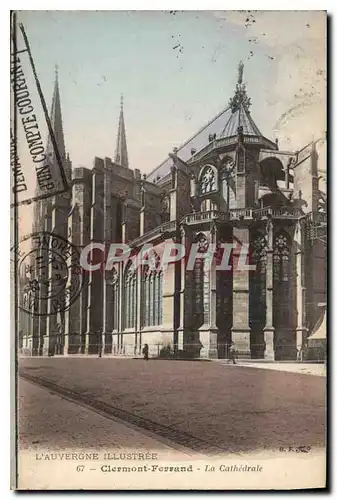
point(240, 72)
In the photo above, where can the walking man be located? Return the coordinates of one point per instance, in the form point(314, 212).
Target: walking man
point(232, 353)
point(146, 352)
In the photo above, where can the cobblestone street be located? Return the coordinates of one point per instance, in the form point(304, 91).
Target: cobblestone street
point(202, 405)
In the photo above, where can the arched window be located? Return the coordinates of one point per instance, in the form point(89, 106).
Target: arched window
point(281, 259)
point(207, 180)
point(282, 280)
point(152, 294)
point(259, 259)
point(200, 303)
point(130, 297)
point(207, 205)
point(160, 297)
point(257, 294)
point(151, 297)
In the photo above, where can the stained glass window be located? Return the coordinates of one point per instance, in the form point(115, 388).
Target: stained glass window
point(257, 294)
point(281, 258)
point(160, 298)
point(130, 297)
point(207, 181)
point(152, 291)
point(282, 275)
point(259, 258)
point(258, 279)
point(151, 298)
point(200, 304)
point(146, 307)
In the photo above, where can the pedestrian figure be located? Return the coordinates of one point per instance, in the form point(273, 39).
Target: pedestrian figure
point(232, 353)
point(100, 346)
point(146, 352)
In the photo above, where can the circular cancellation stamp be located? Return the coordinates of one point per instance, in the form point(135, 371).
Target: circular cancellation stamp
point(49, 273)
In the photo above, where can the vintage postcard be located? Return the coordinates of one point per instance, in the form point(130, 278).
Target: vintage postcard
point(169, 223)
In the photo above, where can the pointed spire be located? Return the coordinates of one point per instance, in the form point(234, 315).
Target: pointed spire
point(240, 122)
point(56, 121)
point(240, 96)
point(121, 154)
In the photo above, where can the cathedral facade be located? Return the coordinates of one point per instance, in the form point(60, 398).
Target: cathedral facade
point(228, 184)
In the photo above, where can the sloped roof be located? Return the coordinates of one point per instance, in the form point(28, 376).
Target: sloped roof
point(240, 118)
point(197, 141)
point(224, 125)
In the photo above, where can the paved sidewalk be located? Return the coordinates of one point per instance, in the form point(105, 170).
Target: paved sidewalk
point(318, 369)
point(62, 425)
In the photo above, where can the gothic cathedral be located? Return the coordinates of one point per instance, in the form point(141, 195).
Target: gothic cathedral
point(226, 184)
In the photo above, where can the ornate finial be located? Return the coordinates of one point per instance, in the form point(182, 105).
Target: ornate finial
point(56, 71)
point(240, 72)
point(240, 96)
point(122, 101)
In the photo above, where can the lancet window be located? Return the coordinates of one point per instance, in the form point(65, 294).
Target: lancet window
point(282, 279)
point(201, 284)
point(152, 293)
point(130, 297)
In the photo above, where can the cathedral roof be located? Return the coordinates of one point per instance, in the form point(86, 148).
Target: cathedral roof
point(197, 142)
point(240, 118)
point(223, 125)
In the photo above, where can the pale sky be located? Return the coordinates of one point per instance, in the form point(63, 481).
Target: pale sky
point(176, 71)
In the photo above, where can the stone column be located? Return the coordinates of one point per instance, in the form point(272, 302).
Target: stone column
point(108, 235)
point(79, 236)
point(286, 175)
point(56, 302)
point(108, 309)
point(35, 324)
point(301, 329)
point(169, 327)
point(208, 333)
point(73, 314)
point(95, 297)
point(173, 194)
point(240, 328)
point(269, 329)
point(121, 308)
point(45, 224)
